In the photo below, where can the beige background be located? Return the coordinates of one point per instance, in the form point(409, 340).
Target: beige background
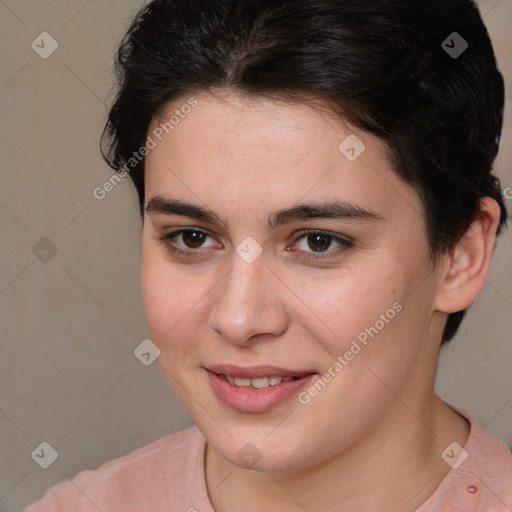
point(69, 326)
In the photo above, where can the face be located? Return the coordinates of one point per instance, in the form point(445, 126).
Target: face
point(294, 257)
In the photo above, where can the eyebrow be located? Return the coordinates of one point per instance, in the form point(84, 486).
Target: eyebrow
point(337, 209)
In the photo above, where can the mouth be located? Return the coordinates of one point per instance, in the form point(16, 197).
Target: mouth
point(256, 383)
point(256, 389)
point(256, 372)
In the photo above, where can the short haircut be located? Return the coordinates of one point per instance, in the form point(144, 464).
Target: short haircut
point(397, 69)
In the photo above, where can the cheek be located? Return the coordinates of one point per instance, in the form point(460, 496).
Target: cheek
point(155, 296)
point(170, 297)
point(171, 306)
point(348, 303)
point(371, 319)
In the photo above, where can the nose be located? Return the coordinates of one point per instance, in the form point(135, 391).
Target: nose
point(249, 303)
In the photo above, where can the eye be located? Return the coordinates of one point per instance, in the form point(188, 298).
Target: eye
point(191, 240)
point(319, 243)
point(314, 244)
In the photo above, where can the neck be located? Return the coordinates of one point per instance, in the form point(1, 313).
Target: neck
point(396, 466)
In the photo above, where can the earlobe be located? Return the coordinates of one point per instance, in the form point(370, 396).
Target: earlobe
point(467, 264)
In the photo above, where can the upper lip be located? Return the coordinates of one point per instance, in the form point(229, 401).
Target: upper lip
point(253, 372)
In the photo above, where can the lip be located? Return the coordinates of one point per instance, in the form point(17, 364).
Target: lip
point(253, 372)
point(252, 400)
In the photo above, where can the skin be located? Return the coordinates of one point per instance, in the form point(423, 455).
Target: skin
point(377, 427)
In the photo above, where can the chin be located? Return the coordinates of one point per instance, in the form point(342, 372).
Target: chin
point(252, 449)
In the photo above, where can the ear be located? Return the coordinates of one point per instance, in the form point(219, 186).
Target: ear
point(467, 265)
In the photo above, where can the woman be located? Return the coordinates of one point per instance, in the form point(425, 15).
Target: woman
point(318, 212)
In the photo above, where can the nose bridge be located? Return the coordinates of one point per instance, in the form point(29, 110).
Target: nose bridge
point(247, 302)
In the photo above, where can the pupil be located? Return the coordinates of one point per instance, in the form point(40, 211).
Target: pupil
point(193, 239)
point(323, 242)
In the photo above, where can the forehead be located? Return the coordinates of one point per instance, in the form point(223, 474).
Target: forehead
point(260, 153)
point(229, 119)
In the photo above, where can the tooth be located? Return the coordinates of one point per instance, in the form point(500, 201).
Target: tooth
point(260, 382)
point(242, 382)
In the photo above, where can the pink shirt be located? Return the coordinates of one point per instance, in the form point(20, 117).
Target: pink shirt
point(167, 476)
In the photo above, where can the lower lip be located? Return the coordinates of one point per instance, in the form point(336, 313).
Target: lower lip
point(249, 399)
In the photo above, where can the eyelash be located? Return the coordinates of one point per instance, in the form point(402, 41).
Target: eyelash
point(345, 243)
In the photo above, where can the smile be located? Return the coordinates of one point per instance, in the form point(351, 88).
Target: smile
point(256, 394)
point(258, 383)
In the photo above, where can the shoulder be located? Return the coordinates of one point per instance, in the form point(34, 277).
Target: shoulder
point(136, 481)
point(481, 476)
